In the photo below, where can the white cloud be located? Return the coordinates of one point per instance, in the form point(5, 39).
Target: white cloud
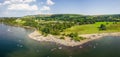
point(29, 1)
point(7, 2)
point(45, 8)
point(50, 2)
point(25, 7)
point(22, 7)
point(22, 1)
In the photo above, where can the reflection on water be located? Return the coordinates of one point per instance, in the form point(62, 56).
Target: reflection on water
point(14, 42)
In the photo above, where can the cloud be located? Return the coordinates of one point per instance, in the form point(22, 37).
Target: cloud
point(22, 7)
point(22, 1)
point(25, 7)
point(50, 2)
point(7, 2)
point(45, 8)
point(28, 1)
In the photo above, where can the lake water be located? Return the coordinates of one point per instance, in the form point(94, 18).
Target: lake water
point(14, 42)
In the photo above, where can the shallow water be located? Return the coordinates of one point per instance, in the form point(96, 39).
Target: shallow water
point(14, 42)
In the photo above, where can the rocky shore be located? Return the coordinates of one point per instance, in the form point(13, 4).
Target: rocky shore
point(67, 41)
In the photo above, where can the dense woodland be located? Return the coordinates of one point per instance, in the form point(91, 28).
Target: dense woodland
point(55, 24)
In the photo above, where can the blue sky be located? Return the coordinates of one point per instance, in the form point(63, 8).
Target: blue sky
point(14, 8)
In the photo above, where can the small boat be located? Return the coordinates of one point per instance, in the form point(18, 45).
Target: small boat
point(60, 48)
point(21, 46)
point(9, 30)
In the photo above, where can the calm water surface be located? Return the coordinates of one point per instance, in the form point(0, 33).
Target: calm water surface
point(14, 42)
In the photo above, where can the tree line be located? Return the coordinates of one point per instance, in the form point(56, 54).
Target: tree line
point(62, 22)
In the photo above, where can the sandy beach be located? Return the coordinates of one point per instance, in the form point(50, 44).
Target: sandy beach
point(67, 41)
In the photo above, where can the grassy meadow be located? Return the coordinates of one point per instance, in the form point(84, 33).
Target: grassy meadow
point(93, 28)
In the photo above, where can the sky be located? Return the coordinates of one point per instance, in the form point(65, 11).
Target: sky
point(17, 8)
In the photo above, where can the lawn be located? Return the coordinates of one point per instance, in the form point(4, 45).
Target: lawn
point(93, 28)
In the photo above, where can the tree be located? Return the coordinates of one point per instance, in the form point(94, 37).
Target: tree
point(72, 35)
point(102, 27)
point(46, 30)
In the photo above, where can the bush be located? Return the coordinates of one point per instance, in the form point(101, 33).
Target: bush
point(81, 38)
point(62, 37)
point(102, 27)
point(76, 39)
point(72, 35)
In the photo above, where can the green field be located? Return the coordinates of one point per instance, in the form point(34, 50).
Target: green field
point(93, 28)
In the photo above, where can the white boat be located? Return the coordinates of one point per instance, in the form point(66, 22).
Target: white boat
point(9, 30)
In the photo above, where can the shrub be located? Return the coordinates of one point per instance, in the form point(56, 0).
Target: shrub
point(102, 27)
point(72, 35)
point(62, 37)
point(76, 39)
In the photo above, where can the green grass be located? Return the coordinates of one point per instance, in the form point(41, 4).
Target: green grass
point(93, 28)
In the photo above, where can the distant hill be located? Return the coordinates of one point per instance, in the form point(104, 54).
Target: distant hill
point(54, 15)
point(69, 15)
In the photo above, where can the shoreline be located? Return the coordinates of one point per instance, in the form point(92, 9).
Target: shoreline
point(67, 41)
